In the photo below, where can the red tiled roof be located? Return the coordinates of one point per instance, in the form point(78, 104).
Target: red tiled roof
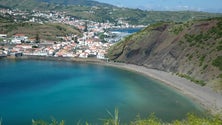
point(18, 34)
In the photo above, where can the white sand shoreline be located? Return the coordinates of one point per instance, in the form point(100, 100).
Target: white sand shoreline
point(205, 96)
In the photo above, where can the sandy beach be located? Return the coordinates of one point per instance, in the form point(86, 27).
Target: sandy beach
point(205, 96)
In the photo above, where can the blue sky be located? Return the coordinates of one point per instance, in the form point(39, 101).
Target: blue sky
point(197, 5)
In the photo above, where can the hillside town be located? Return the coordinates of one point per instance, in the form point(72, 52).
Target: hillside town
point(89, 44)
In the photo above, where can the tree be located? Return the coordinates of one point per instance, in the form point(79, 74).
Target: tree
point(86, 27)
point(37, 38)
point(75, 39)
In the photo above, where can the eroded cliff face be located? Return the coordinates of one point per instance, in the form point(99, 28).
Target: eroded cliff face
point(188, 49)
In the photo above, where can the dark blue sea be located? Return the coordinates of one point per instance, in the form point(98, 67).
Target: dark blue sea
point(75, 92)
point(126, 30)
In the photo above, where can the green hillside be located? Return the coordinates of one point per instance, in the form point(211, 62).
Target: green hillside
point(75, 2)
point(5, 19)
point(45, 31)
point(192, 50)
point(24, 4)
point(91, 10)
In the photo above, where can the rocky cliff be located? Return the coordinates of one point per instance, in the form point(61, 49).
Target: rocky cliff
point(192, 50)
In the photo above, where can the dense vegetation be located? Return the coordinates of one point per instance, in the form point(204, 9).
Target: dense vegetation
point(91, 10)
point(45, 31)
point(7, 19)
point(218, 62)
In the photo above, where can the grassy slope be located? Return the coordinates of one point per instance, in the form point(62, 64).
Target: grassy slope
point(45, 31)
point(23, 4)
point(5, 20)
point(75, 2)
point(106, 12)
point(192, 50)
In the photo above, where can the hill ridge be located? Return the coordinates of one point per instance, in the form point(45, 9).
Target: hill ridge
point(191, 50)
point(101, 12)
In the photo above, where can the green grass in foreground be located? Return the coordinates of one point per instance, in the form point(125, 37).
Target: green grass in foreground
point(151, 120)
point(191, 119)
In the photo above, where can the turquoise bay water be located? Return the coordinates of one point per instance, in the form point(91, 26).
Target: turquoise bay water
point(82, 92)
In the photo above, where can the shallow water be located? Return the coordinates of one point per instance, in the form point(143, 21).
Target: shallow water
point(31, 89)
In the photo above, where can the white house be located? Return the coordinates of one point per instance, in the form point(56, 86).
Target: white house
point(83, 55)
point(3, 35)
point(101, 55)
point(18, 38)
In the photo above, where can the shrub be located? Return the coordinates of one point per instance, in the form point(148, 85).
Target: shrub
point(204, 67)
point(219, 48)
point(53, 122)
point(218, 62)
point(114, 119)
point(202, 60)
point(191, 119)
point(151, 120)
point(200, 82)
point(190, 57)
point(177, 29)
